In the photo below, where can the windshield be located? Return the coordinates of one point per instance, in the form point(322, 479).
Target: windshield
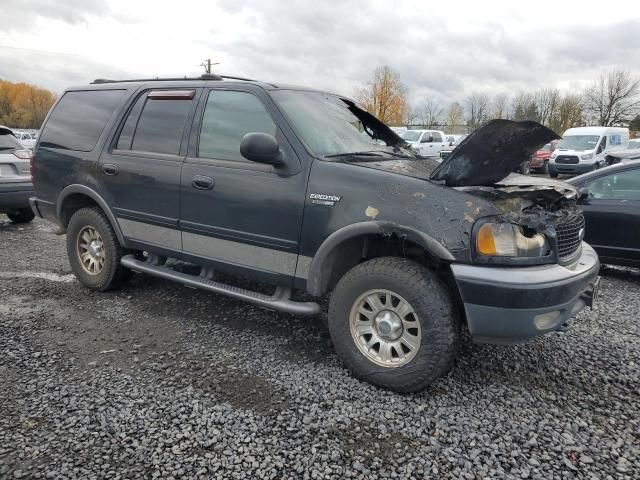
point(633, 144)
point(330, 125)
point(579, 142)
point(411, 135)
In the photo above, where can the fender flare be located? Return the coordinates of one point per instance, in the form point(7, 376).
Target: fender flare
point(95, 196)
point(333, 241)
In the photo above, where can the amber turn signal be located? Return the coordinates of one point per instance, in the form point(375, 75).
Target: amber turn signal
point(485, 243)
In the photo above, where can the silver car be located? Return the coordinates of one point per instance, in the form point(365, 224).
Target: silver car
point(15, 178)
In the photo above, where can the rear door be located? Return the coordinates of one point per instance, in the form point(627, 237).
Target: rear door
point(612, 214)
point(239, 215)
point(140, 171)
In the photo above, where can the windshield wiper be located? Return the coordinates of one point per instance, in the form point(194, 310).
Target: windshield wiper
point(369, 153)
point(353, 154)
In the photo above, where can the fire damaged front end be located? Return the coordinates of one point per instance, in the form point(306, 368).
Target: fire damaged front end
point(530, 271)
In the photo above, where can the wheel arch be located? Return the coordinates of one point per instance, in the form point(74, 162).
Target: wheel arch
point(343, 248)
point(74, 197)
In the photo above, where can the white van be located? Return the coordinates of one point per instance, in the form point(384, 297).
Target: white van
point(583, 149)
point(427, 143)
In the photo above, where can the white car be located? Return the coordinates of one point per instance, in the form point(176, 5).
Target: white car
point(26, 139)
point(427, 143)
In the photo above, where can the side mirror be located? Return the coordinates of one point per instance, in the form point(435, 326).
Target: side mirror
point(261, 148)
point(583, 193)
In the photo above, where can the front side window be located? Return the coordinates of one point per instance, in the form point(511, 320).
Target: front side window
point(603, 144)
point(617, 186)
point(79, 118)
point(228, 117)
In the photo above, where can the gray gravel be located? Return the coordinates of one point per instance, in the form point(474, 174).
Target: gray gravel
point(159, 381)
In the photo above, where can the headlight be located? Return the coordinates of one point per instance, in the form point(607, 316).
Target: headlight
point(588, 156)
point(508, 240)
point(553, 156)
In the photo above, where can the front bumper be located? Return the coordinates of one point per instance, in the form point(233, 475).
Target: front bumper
point(509, 305)
point(571, 168)
point(15, 195)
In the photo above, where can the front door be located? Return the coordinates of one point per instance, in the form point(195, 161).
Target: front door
point(612, 214)
point(236, 214)
point(140, 172)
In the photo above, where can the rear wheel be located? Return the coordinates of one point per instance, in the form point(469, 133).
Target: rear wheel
point(94, 251)
point(24, 215)
point(393, 324)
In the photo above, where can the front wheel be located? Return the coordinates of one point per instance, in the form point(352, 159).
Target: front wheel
point(545, 167)
point(553, 174)
point(393, 324)
point(24, 215)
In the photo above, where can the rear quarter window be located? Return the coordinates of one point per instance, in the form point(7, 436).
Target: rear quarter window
point(79, 118)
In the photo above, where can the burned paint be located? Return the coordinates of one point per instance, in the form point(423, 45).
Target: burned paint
point(492, 152)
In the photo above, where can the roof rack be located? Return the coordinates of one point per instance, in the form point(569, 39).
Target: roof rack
point(204, 76)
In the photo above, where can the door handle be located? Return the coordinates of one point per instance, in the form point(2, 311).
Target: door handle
point(110, 169)
point(202, 182)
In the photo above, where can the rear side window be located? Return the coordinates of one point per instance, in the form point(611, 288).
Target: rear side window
point(436, 137)
point(157, 122)
point(228, 117)
point(79, 118)
point(9, 142)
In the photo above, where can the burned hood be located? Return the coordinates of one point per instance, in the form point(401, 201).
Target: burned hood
point(492, 152)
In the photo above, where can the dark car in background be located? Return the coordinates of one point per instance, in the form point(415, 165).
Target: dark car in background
point(611, 205)
point(15, 178)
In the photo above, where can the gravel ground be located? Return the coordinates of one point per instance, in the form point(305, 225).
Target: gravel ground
point(160, 381)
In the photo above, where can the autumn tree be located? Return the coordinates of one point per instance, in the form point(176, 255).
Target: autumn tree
point(455, 118)
point(385, 96)
point(613, 99)
point(478, 108)
point(23, 105)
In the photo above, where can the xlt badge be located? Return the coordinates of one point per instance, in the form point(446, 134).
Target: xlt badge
point(324, 199)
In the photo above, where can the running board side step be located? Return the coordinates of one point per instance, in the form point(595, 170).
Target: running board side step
point(280, 300)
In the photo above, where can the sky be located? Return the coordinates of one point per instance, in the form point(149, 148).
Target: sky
point(441, 50)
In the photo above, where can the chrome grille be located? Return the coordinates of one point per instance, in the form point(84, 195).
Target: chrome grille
point(568, 236)
point(567, 159)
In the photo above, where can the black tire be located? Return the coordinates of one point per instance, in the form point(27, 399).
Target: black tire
point(553, 174)
point(433, 306)
point(525, 168)
point(545, 167)
point(24, 215)
point(113, 274)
